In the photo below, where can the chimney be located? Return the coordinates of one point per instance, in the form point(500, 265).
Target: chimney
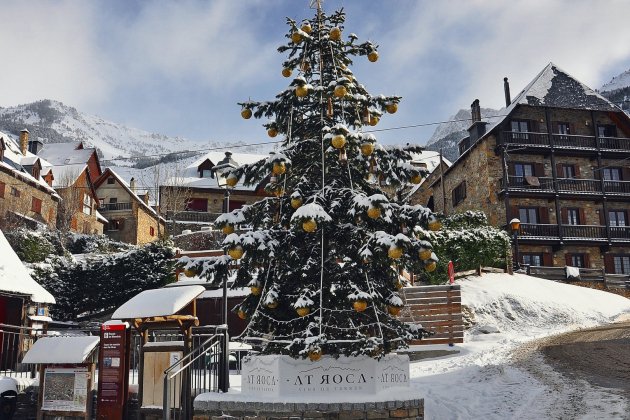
point(506, 88)
point(477, 129)
point(146, 198)
point(24, 141)
point(35, 146)
point(132, 185)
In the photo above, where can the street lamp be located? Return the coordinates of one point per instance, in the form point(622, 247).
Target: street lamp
point(515, 225)
point(222, 170)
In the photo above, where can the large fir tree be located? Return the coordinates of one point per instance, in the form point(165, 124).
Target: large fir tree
point(326, 249)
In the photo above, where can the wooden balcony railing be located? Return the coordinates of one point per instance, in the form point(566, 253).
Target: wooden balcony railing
point(620, 232)
point(578, 185)
point(566, 185)
point(114, 206)
point(614, 143)
point(539, 230)
point(617, 187)
point(565, 141)
point(532, 139)
point(584, 231)
point(525, 183)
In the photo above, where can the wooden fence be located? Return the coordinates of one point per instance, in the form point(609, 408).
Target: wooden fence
point(593, 275)
point(438, 309)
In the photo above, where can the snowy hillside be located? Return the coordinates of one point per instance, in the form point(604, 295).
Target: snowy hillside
point(53, 122)
point(618, 82)
point(617, 90)
point(448, 134)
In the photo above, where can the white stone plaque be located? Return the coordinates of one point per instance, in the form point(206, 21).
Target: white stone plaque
point(282, 375)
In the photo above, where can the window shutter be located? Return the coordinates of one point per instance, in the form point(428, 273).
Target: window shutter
point(576, 169)
point(559, 171)
point(533, 126)
point(511, 170)
point(554, 126)
point(572, 129)
point(564, 216)
point(582, 216)
point(539, 169)
point(602, 217)
point(567, 259)
point(587, 261)
point(513, 212)
point(609, 264)
point(625, 174)
point(544, 215)
point(547, 259)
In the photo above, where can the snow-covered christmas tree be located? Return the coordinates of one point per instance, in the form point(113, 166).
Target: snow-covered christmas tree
point(324, 257)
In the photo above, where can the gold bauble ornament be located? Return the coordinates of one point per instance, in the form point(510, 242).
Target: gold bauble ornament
point(374, 212)
point(272, 132)
point(430, 267)
point(338, 141)
point(360, 305)
point(190, 272)
point(303, 311)
point(236, 252)
point(309, 225)
point(231, 180)
point(296, 203)
point(367, 149)
point(415, 179)
point(279, 168)
point(393, 310)
point(314, 355)
point(246, 113)
point(286, 72)
point(306, 28)
point(256, 290)
point(395, 252)
point(272, 305)
point(374, 120)
point(296, 38)
point(335, 34)
point(301, 91)
point(373, 56)
point(279, 192)
point(242, 314)
point(340, 91)
point(392, 108)
point(227, 229)
point(435, 225)
point(424, 253)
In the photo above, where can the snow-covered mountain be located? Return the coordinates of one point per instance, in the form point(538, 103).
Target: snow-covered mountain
point(53, 122)
point(448, 134)
point(617, 90)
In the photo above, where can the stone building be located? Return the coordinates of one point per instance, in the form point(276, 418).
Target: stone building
point(557, 158)
point(130, 217)
point(25, 195)
point(75, 168)
point(430, 161)
point(195, 196)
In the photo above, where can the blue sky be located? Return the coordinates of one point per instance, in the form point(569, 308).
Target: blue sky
point(179, 68)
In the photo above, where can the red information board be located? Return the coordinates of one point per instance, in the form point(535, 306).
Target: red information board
point(113, 376)
point(451, 272)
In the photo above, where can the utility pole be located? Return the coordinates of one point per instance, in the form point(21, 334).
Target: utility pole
point(442, 183)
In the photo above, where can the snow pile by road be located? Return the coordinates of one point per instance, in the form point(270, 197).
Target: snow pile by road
point(484, 380)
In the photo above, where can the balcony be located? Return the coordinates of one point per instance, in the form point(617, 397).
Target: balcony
point(565, 141)
point(620, 233)
point(550, 232)
point(114, 206)
point(584, 231)
point(566, 186)
point(541, 231)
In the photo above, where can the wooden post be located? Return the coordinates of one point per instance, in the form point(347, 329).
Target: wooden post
point(443, 186)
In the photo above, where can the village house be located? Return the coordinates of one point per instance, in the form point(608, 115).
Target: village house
point(130, 217)
point(26, 196)
point(557, 158)
point(75, 168)
point(195, 196)
point(429, 161)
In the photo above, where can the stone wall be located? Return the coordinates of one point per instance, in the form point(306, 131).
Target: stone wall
point(211, 410)
point(23, 203)
point(145, 222)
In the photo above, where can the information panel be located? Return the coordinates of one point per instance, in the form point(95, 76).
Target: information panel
point(113, 375)
point(65, 389)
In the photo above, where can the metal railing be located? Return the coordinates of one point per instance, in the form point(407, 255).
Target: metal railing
point(614, 143)
point(584, 231)
point(570, 140)
point(536, 139)
point(528, 138)
point(193, 216)
point(204, 369)
point(579, 185)
point(539, 230)
point(114, 206)
point(593, 275)
point(620, 232)
point(617, 187)
point(545, 184)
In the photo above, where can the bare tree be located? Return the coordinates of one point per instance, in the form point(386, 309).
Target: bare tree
point(71, 198)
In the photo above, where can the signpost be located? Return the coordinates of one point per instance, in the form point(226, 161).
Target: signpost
point(451, 272)
point(113, 378)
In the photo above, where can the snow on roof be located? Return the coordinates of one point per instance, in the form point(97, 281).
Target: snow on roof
point(14, 277)
point(100, 217)
point(190, 174)
point(62, 349)
point(158, 302)
point(429, 158)
point(65, 153)
point(66, 175)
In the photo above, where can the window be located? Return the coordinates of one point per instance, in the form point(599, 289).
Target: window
point(111, 180)
point(113, 200)
point(15, 192)
point(533, 259)
point(606, 130)
point(611, 174)
point(577, 260)
point(520, 126)
point(197, 204)
point(151, 231)
point(206, 173)
point(568, 171)
point(617, 218)
point(573, 217)
point(523, 169)
point(621, 264)
point(528, 215)
point(36, 205)
point(563, 128)
point(36, 171)
point(459, 193)
point(2, 187)
point(113, 225)
point(87, 204)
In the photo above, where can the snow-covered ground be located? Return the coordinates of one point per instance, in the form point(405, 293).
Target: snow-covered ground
point(486, 379)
